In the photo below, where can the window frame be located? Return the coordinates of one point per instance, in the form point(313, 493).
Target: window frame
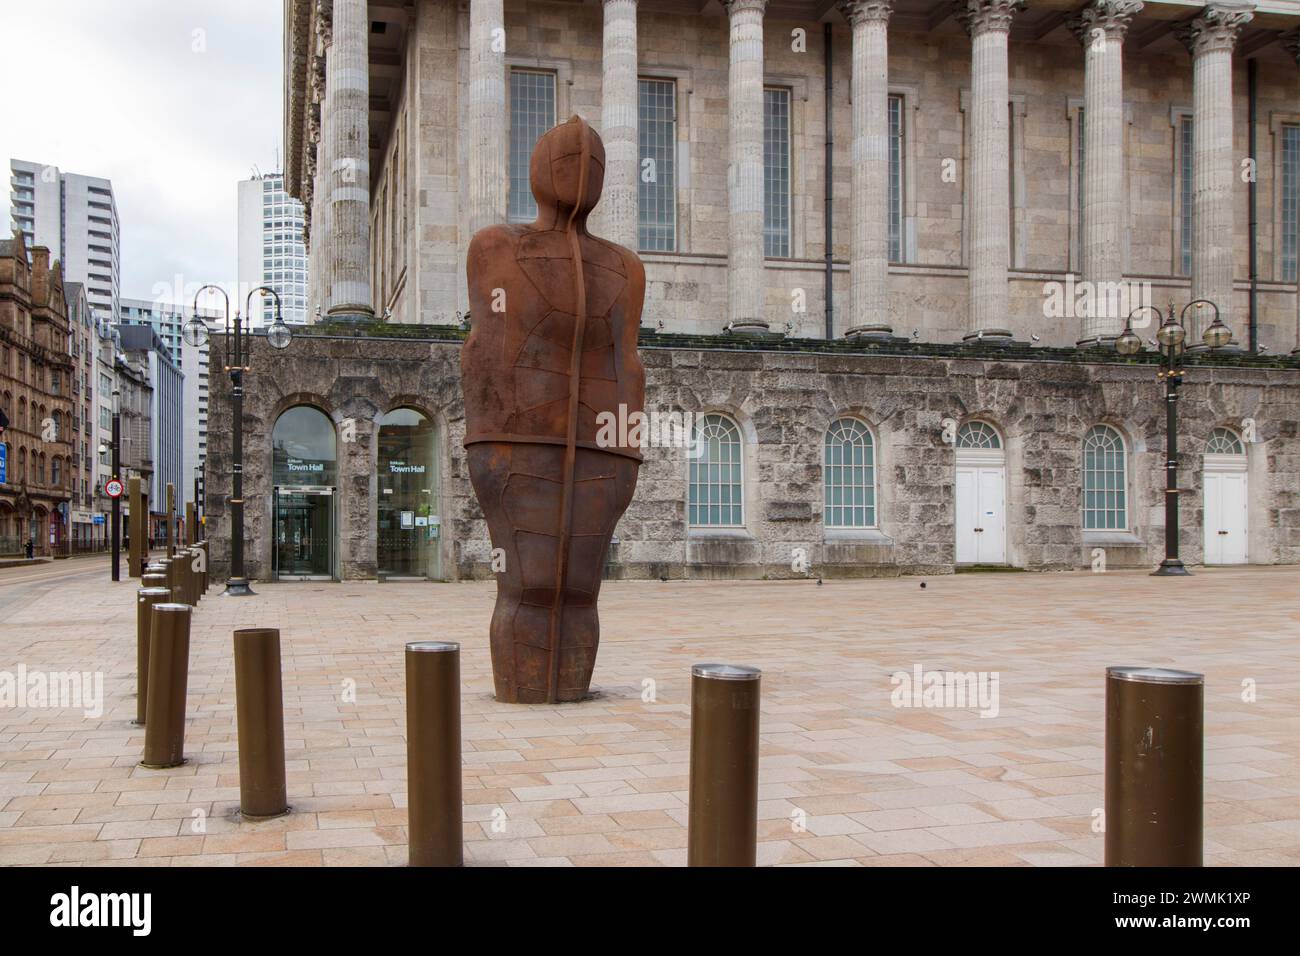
point(511, 71)
point(1122, 471)
point(674, 130)
point(693, 502)
point(789, 94)
point(870, 484)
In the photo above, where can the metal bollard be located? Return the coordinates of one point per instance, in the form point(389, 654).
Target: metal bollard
point(169, 663)
point(189, 577)
point(1155, 758)
point(259, 706)
point(166, 564)
point(207, 555)
point(722, 816)
point(190, 534)
point(434, 796)
point(155, 579)
point(146, 598)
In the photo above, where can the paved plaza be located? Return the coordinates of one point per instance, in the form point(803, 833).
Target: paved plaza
point(846, 777)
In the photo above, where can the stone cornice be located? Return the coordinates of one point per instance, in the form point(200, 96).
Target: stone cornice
point(1215, 29)
point(1291, 43)
point(866, 11)
point(985, 16)
point(1110, 17)
point(742, 6)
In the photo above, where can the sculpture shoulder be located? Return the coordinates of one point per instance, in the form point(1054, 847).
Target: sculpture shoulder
point(492, 241)
point(629, 260)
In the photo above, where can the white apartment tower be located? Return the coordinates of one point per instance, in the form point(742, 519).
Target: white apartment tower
point(271, 250)
point(76, 218)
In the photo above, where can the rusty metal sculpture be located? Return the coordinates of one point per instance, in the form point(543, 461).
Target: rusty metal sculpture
point(553, 344)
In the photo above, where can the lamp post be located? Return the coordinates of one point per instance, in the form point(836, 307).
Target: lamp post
point(116, 469)
point(198, 501)
point(234, 358)
point(1170, 340)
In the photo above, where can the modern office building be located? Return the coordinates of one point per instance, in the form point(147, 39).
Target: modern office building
point(143, 346)
point(272, 251)
point(75, 216)
point(194, 365)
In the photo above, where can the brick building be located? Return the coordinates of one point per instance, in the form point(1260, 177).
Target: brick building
point(36, 372)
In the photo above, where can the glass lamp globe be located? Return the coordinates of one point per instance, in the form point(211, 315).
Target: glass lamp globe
point(195, 332)
point(1171, 334)
point(1217, 335)
point(279, 335)
point(1128, 343)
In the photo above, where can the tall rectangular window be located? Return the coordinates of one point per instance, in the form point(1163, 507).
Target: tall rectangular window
point(776, 172)
point(1079, 163)
point(532, 113)
point(1185, 196)
point(1290, 203)
point(657, 171)
point(895, 179)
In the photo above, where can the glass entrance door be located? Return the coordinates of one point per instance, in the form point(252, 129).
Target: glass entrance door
point(304, 534)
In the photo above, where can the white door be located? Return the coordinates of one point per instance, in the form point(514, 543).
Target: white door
point(1225, 517)
point(981, 514)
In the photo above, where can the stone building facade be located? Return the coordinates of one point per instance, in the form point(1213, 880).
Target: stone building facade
point(1123, 155)
point(35, 392)
point(887, 246)
point(913, 400)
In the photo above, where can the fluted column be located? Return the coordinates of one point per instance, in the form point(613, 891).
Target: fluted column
point(1291, 42)
point(347, 128)
point(745, 289)
point(989, 24)
point(869, 250)
point(618, 125)
point(486, 110)
point(1100, 27)
point(1211, 38)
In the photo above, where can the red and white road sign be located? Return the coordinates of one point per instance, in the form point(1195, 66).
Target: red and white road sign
point(113, 488)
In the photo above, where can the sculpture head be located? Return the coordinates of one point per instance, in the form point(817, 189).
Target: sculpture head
point(567, 172)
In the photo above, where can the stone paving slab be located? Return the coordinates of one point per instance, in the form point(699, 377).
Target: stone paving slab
point(846, 778)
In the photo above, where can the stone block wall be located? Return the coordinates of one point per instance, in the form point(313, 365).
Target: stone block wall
point(784, 397)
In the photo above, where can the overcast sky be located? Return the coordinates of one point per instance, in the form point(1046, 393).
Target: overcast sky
point(175, 101)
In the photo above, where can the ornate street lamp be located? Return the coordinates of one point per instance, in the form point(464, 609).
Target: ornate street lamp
point(234, 358)
point(1171, 339)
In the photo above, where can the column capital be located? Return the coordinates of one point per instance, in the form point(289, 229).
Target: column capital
point(1291, 43)
point(1108, 19)
point(864, 11)
point(1216, 28)
point(741, 6)
point(986, 16)
point(608, 3)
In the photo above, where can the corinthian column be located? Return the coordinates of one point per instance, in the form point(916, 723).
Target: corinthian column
point(1100, 27)
point(869, 252)
point(1211, 37)
point(989, 23)
point(618, 125)
point(745, 289)
point(487, 115)
point(1291, 41)
point(346, 126)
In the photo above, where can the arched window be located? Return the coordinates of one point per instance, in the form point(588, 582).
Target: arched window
point(303, 448)
point(22, 465)
point(56, 473)
point(978, 435)
point(717, 479)
point(1105, 480)
point(1224, 441)
point(849, 475)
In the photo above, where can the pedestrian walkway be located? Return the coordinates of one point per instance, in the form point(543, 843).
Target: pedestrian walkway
point(847, 777)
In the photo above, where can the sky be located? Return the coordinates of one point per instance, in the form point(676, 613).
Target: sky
point(175, 101)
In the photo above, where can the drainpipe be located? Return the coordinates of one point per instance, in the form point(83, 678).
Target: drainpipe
point(830, 188)
point(1252, 86)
